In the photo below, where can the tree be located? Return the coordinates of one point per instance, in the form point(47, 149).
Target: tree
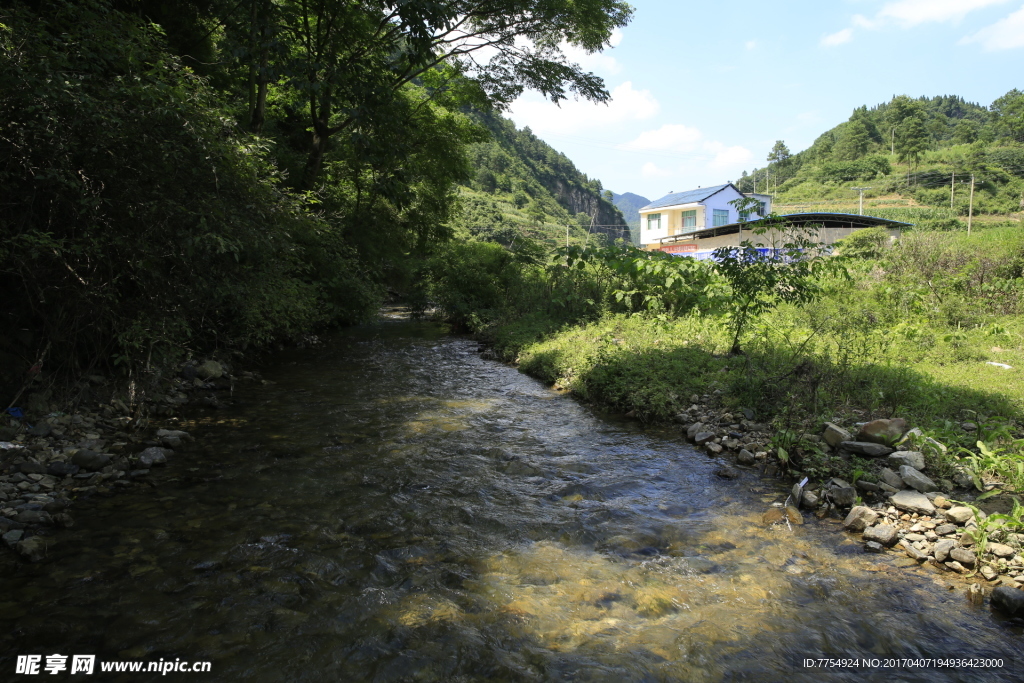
point(898, 110)
point(911, 140)
point(780, 157)
point(965, 132)
point(760, 279)
point(1008, 115)
point(349, 59)
point(853, 141)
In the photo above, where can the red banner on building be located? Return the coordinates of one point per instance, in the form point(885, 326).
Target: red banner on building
point(679, 248)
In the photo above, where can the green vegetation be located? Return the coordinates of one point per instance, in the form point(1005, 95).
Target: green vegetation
point(913, 331)
point(915, 154)
point(182, 177)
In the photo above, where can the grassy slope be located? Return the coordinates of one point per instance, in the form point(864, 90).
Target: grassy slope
point(879, 346)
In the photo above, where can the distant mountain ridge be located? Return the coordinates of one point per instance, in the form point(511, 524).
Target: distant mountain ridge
point(630, 204)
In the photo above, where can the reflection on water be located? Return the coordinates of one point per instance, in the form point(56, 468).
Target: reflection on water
point(394, 508)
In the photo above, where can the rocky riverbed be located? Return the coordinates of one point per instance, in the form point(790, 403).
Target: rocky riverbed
point(895, 508)
point(50, 459)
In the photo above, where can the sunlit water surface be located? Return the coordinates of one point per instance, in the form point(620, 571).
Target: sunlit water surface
point(395, 508)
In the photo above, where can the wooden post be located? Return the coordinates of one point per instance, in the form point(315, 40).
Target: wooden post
point(970, 209)
point(951, 184)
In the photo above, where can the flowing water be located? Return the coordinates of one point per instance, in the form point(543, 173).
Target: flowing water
point(395, 508)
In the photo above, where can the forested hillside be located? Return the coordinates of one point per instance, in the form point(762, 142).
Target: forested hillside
point(521, 187)
point(916, 156)
point(219, 174)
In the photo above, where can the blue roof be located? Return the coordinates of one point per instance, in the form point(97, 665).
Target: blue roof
point(687, 197)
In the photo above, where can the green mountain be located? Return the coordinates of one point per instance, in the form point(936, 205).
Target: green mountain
point(630, 204)
point(522, 187)
point(916, 157)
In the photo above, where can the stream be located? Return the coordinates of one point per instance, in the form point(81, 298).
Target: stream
point(395, 508)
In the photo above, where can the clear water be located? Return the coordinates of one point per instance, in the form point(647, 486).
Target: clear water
point(395, 508)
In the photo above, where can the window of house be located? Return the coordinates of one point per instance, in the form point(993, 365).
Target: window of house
point(690, 219)
point(654, 221)
point(744, 215)
point(721, 217)
point(764, 208)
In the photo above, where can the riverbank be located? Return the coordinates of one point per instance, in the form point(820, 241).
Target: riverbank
point(51, 459)
point(943, 480)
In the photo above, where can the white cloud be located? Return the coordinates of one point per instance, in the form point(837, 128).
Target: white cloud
point(728, 158)
point(673, 139)
point(627, 104)
point(668, 138)
point(750, 44)
point(837, 38)
point(651, 170)
point(1005, 34)
point(913, 12)
point(910, 13)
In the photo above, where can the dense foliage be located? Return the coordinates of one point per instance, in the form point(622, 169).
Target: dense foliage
point(181, 176)
point(926, 150)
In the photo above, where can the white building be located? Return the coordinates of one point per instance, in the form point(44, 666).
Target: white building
point(683, 212)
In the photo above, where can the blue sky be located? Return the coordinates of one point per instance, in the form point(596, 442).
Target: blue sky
point(701, 91)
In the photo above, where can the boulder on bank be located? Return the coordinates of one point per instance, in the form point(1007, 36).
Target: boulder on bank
point(860, 518)
point(913, 459)
point(835, 435)
point(883, 534)
point(883, 432)
point(865, 448)
point(1009, 601)
point(90, 460)
point(912, 501)
point(915, 480)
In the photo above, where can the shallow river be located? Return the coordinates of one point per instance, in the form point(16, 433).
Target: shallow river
point(395, 508)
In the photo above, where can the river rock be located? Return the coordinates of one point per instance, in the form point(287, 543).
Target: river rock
point(945, 529)
point(860, 518)
point(40, 429)
point(873, 547)
point(891, 478)
point(797, 494)
point(210, 369)
point(1009, 601)
point(913, 552)
point(726, 472)
point(883, 431)
point(915, 480)
point(33, 549)
point(693, 430)
point(61, 469)
point(912, 501)
point(713, 448)
point(913, 459)
point(843, 497)
point(90, 460)
point(29, 467)
point(810, 500)
point(882, 533)
point(745, 458)
point(989, 573)
point(959, 514)
point(33, 517)
point(702, 438)
point(865, 448)
point(834, 435)
point(963, 556)
point(153, 455)
point(1000, 550)
point(13, 536)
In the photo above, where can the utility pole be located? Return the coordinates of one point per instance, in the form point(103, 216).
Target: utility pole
point(892, 142)
point(566, 235)
point(861, 190)
point(951, 185)
point(970, 210)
